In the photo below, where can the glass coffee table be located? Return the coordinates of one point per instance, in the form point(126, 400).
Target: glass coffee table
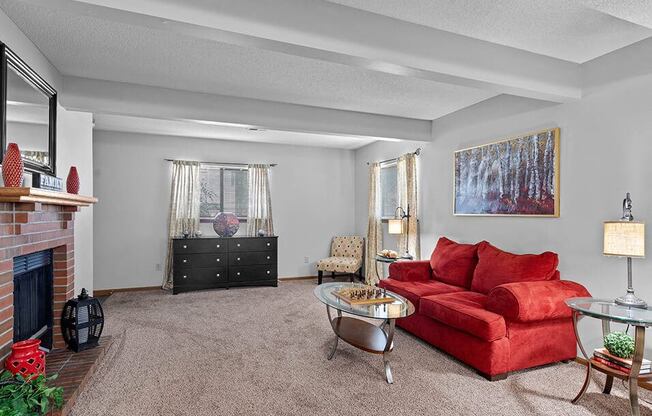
point(608, 311)
point(360, 333)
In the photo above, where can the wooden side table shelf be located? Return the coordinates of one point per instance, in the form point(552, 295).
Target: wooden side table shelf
point(607, 311)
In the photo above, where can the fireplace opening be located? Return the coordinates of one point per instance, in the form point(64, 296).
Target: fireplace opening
point(33, 316)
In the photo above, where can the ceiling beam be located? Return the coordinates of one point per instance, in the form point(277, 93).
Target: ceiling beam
point(118, 98)
point(344, 35)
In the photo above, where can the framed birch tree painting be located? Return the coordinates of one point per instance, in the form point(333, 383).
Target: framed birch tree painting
point(513, 177)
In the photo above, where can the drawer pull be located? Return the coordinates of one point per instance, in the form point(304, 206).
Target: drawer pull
point(238, 273)
point(217, 259)
point(267, 257)
point(267, 271)
point(185, 277)
point(185, 246)
point(238, 244)
point(218, 246)
point(269, 244)
point(185, 261)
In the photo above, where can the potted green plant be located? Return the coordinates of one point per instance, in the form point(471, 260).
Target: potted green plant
point(619, 344)
point(20, 397)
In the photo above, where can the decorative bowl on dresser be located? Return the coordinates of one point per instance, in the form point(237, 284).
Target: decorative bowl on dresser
point(215, 262)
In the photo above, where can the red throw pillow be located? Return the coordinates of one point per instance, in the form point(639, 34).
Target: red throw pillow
point(453, 263)
point(496, 267)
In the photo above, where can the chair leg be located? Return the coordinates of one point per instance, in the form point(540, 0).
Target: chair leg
point(320, 274)
point(333, 275)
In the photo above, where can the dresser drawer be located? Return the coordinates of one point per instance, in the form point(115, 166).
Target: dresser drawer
point(252, 244)
point(186, 261)
point(200, 277)
point(251, 273)
point(199, 245)
point(251, 258)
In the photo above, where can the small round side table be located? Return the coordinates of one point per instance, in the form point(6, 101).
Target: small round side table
point(381, 259)
point(608, 311)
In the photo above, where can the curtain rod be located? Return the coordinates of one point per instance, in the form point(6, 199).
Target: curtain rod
point(416, 152)
point(215, 163)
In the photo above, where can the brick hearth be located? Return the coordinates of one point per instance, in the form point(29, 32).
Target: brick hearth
point(74, 370)
point(25, 228)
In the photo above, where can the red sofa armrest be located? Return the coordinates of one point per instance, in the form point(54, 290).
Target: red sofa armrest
point(534, 301)
point(410, 271)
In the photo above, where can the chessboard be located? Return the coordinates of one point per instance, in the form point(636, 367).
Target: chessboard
point(363, 296)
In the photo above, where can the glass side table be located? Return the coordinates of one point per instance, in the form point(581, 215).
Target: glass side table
point(383, 259)
point(607, 311)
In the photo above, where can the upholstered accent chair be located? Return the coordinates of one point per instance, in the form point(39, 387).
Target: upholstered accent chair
point(346, 257)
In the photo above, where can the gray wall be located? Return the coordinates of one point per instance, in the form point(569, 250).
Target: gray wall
point(312, 194)
point(606, 150)
point(74, 146)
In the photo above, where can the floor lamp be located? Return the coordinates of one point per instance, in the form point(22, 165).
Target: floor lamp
point(396, 227)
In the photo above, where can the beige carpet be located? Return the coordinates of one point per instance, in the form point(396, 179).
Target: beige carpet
point(261, 351)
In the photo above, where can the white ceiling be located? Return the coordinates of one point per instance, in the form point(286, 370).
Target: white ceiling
point(189, 128)
point(413, 59)
point(94, 48)
point(635, 11)
point(574, 30)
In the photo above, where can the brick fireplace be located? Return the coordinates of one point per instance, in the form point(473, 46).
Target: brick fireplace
point(29, 227)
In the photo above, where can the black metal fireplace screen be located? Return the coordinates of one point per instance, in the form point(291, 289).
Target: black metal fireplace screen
point(33, 275)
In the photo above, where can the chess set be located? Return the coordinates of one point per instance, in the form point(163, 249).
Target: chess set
point(363, 296)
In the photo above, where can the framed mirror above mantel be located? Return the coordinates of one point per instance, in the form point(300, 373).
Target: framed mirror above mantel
point(28, 113)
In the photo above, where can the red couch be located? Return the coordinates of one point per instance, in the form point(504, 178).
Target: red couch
point(493, 310)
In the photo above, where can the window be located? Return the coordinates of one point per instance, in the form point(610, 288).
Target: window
point(388, 190)
point(223, 190)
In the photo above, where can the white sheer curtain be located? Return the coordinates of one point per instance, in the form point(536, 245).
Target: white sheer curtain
point(406, 178)
point(184, 208)
point(260, 201)
point(374, 227)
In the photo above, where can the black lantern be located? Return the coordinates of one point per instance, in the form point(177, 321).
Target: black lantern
point(82, 322)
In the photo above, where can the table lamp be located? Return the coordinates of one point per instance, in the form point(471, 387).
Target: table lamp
point(396, 227)
point(626, 238)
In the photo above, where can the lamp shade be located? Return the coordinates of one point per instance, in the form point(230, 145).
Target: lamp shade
point(624, 239)
point(395, 226)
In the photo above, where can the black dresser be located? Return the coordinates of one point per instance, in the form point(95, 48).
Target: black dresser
point(208, 263)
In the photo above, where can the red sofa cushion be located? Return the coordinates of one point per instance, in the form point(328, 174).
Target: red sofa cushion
point(496, 267)
point(414, 291)
point(453, 263)
point(410, 271)
point(534, 301)
point(466, 312)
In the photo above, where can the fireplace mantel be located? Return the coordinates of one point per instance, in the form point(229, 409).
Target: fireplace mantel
point(36, 195)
